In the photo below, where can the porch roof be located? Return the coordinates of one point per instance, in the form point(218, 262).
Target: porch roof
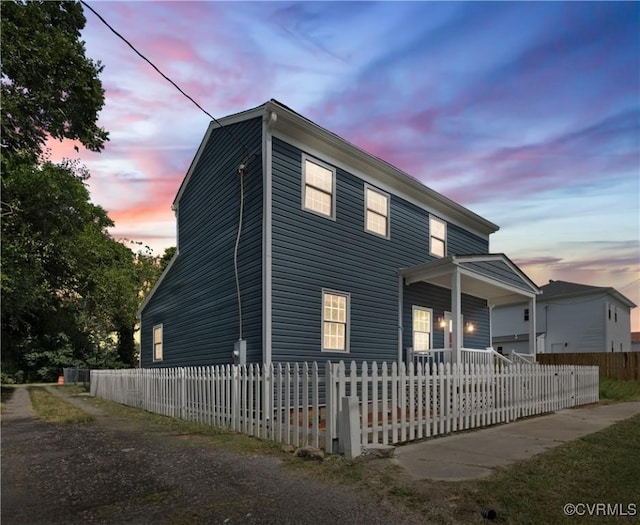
point(491, 276)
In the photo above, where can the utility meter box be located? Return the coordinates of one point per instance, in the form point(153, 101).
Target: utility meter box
point(240, 352)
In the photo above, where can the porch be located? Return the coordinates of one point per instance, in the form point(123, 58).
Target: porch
point(493, 278)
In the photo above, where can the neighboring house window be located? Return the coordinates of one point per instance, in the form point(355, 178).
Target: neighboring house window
point(157, 342)
point(526, 314)
point(437, 237)
point(376, 212)
point(615, 315)
point(335, 321)
point(421, 329)
point(609, 312)
point(318, 187)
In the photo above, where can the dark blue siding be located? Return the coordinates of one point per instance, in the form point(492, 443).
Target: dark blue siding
point(311, 253)
point(196, 302)
point(474, 310)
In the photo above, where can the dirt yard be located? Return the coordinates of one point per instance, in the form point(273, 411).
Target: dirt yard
point(116, 470)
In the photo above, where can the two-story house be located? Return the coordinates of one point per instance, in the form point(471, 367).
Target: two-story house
point(295, 245)
point(571, 317)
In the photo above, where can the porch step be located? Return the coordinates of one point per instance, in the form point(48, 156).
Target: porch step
point(376, 450)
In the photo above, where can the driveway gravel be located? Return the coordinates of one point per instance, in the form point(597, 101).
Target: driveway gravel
point(117, 470)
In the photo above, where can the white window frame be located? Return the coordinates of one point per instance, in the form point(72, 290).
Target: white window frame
point(414, 309)
point(347, 323)
point(387, 216)
point(313, 160)
point(432, 219)
point(157, 359)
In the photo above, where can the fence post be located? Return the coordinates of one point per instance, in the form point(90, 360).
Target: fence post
point(183, 393)
point(332, 410)
point(350, 427)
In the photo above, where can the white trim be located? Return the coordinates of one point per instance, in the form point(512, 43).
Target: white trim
point(303, 185)
point(413, 328)
point(298, 126)
point(366, 209)
point(400, 315)
point(347, 329)
point(326, 145)
point(490, 280)
point(435, 218)
point(267, 231)
point(153, 345)
point(221, 122)
point(157, 285)
point(409, 194)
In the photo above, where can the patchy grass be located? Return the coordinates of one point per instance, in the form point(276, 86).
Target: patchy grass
point(71, 390)
point(56, 410)
point(189, 430)
point(598, 468)
point(618, 390)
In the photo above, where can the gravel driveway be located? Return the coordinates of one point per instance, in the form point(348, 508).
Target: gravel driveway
point(118, 471)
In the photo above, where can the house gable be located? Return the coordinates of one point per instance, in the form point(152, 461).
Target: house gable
point(196, 299)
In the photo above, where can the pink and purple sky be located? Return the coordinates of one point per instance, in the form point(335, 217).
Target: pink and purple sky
point(526, 113)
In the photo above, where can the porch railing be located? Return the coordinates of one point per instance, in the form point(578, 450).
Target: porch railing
point(518, 357)
point(471, 356)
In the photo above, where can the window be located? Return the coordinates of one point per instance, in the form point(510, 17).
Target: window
point(437, 237)
point(318, 188)
point(335, 321)
point(526, 314)
point(157, 342)
point(421, 329)
point(376, 212)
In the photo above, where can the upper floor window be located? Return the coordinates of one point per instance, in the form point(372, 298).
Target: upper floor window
point(318, 187)
point(335, 321)
point(437, 237)
point(157, 342)
point(376, 212)
point(526, 314)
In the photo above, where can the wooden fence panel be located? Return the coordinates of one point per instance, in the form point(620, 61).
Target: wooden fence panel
point(618, 365)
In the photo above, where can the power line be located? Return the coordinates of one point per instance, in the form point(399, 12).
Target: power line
point(246, 150)
point(631, 283)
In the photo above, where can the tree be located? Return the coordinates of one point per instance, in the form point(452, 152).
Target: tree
point(49, 86)
point(70, 291)
point(56, 252)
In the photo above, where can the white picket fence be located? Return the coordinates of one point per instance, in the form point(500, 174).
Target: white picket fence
point(298, 405)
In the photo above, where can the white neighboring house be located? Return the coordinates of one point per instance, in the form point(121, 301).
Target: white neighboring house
point(570, 317)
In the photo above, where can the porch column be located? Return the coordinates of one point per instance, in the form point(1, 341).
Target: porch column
point(456, 312)
point(533, 343)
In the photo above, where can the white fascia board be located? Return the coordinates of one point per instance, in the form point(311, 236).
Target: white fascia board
point(496, 282)
point(157, 285)
point(225, 121)
point(430, 270)
point(328, 146)
point(461, 259)
point(267, 301)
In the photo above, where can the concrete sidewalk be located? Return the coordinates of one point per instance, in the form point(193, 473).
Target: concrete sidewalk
point(477, 453)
